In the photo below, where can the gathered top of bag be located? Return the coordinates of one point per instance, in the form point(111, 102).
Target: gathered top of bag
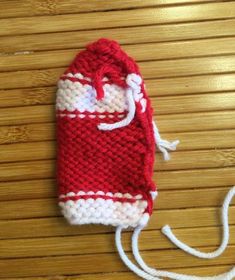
point(101, 61)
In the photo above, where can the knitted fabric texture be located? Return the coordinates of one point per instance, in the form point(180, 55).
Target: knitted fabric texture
point(104, 176)
point(106, 145)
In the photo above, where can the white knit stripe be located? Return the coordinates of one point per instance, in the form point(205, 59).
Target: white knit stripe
point(105, 211)
point(73, 96)
point(101, 193)
point(86, 116)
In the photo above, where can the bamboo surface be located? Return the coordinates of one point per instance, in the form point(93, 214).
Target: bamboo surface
point(186, 52)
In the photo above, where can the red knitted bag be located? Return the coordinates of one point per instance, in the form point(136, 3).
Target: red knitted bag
point(106, 143)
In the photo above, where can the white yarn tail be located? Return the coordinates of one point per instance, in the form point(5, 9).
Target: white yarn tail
point(149, 273)
point(141, 273)
point(224, 218)
point(164, 145)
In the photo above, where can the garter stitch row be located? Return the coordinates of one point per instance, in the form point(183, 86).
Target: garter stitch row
point(106, 145)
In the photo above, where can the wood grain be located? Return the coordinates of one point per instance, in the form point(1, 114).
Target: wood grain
point(186, 52)
point(180, 159)
point(150, 69)
point(38, 208)
point(96, 20)
point(167, 123)
point(57, 226)
point(147, 34)
point(144, 52)
point(54, 246)
point(156, 87)
point(172, 179)
point(110, 262)
point(34, 8)
point(206, 270)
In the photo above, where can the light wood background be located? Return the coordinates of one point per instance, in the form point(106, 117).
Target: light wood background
point(186, 51)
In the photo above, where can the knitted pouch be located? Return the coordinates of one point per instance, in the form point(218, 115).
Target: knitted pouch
point(106, 145)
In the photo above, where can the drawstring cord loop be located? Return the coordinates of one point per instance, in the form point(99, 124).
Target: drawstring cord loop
point(224, 218)
point(149, 273)
point(133, 81)
point(126, 121)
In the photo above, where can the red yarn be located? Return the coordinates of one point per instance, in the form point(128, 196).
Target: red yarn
point(116, 161)
point(110, 72)
point(111, 161)
point(103, 58)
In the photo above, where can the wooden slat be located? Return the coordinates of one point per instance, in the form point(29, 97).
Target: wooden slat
point(45, 188)
point(36, 150)
point(47, 207)
point(197, 159)
point(23, 189)
point(195, 121)
point(31, 170)
point(25, 133)
point(155, 87)
point(194, 103)
point(203, 139)
point(181, 199)
point(180, 159)
point(185, 67)
point(107, 262)
point(35, 8)
point(166, 123)
point(150, 70)
point(188, 140)
point(186, 85)
point(144, 52)
point(200, 271)
point(167, 179)
point(42, 24)
point(161, 105)
point(153, 33)
point(32, 78)
point(27, 96)
point(62, 246)
point(57, 226)
point(35, 114)
point(195, 178)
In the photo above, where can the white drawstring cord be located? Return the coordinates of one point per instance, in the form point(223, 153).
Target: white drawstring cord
point(128, 118)
point(127, 261)
point(149, 273)
point(164, 145)
point(160, 273)
point(175, 276)
point(134, 82)
point(224, 217)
